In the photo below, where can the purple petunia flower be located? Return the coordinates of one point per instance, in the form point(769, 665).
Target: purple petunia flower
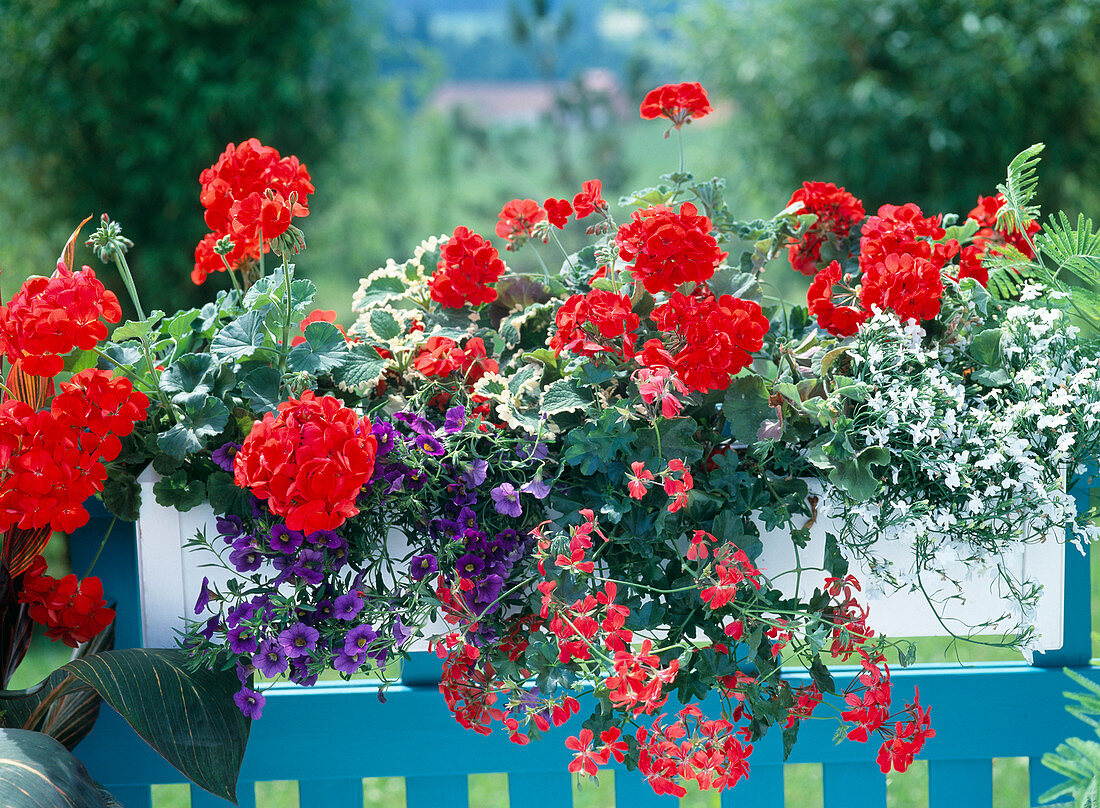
point(223, 456)
point(325, 538)
point(269, 659)
point(310, 566)
point(242, 611)
point(422, 566)
point(300, 673)
point(470, 566)
point(250, 702)
point(212, 625)
point(358, 639)
point(467, 519)
point(400, 631)
point(532, 451)
point(415, 479)
point(536, 488)
point(285, 540)
point(428, 445)
point(347, 606)
point(417, 423)
point(486, 593)
point(204, 596)
point(455, 419)
point(325, 609)
point(244, 671)
point(230, 527)
point(242, 639)
point(298, 640)
point(506, 500)
point(477, 472)
point(349, 663)
point(245, 556)
point(384, 433)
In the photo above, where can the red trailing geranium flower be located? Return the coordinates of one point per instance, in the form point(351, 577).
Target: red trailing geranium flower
point(49, 317)
point(669, 248)
point(898, 229)
point(611, 318)
point(989, 240)
point(250, 188)
point(517, 218)
point(840, 321)
point(441, 356)
point(558, 211)
point(71, 611)
point(716, 338)
point(837, 212)
point(679, 103)
point(468, 267)
point(590, 199)
point(309, 462)
point(909, 286)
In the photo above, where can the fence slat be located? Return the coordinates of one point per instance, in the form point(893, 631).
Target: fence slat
point(540, 790)
point(346, 793)
point(133, 796)
point(1040, 779)
point(949, 780)
point(449, 791)
point(854, 785)
point(633, 791)
point(763, 788)
point(200, 798)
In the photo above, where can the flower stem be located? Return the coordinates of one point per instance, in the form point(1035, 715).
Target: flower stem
point(102, 544)
point(128, 280)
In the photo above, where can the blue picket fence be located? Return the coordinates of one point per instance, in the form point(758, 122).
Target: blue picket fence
point(329, 737)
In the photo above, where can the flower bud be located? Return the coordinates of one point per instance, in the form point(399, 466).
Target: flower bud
point(107, 240)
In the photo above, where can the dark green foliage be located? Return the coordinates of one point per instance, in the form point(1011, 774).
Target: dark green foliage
point(912, 100)
point(118, 105)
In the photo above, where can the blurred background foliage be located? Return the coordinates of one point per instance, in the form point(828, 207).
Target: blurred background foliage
point(420, 115)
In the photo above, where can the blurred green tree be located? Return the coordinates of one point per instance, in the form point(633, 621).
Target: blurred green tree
point(117, 105)
point(909, 100)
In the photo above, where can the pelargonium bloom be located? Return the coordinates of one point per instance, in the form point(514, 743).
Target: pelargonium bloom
point(466, 272)
point(558, 212)
point(840, 321)
point(669, 248)
point(679, 103)
point(590, 199)
point(517, 218)
point(837, 213)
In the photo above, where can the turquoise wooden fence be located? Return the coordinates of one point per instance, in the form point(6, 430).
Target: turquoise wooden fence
point(331, 736)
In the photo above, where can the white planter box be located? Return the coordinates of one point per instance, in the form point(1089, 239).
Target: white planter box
point(170, 577)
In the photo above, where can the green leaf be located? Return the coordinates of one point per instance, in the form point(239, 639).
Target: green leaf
point(745, 407)
point(379, 291)
point(522, 376)
point(179, 491)
point(122, 495)
point(361, 369)
point(188, 717)
point(1019, 190)
point(986, 346)
point(857, 475)
point(564, 395)
point(384, 324)
point(225, 497)
point(191, 373)
point(834, 561)
point(240, 338)
point(270, 290)
point(821, 676)
point(204, 417)
point(137, 329)
point(324, 350)
point(38, 772)
point(261, 386)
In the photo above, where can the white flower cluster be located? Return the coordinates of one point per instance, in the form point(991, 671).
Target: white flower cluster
point(979, 449)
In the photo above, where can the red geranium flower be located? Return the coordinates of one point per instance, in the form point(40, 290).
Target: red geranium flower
point(837, 212)
point(679, 103)
point(558, 211)
point(669, 248)
point(611, 317)
point(71, 611)
point(516, 220)
point(466, 270)
point(907, 285)
point(590, 199)
point(840, 321)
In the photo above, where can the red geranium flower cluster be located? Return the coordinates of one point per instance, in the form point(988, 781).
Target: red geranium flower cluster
point(829, 285)
point(909, 286)
point(732, 568)
point(309, 462)
point(679, 103)
point(669, 248)
point(713, 338)
point(441, 356)
point(897, 752)
point(837, 213)
point(611, 320)
point(692, 748)
point(589, 200)
point(466, 271)
point(638, 679)
point(517, 220)
point(249, 190)
point(53, 459)
point(989, 239)
point(71, 611)
point(49, 317)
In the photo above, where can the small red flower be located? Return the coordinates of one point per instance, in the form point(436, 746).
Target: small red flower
point(517, 218)
point(558, 211)
point(639, 478)
point(587, 759)
point(840, 321)
point(837, 212)
point(71, 611)
point(679, 103)
point(466, 272)
point(669, 249)
point(590, 199)
point(611, 320)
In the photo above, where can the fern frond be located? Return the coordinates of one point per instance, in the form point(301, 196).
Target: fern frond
point(1019, 191)
point(1075, 250)
point(1008, 270)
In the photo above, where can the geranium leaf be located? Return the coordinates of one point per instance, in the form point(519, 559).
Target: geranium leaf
point(564, 395)
point(745, 407)
point(241, 338)
point(188, 717)
point(38, 772)
point(190, 373)
point(324, 350)
point(137, 329)
point(362, 368)
point(261, 387)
